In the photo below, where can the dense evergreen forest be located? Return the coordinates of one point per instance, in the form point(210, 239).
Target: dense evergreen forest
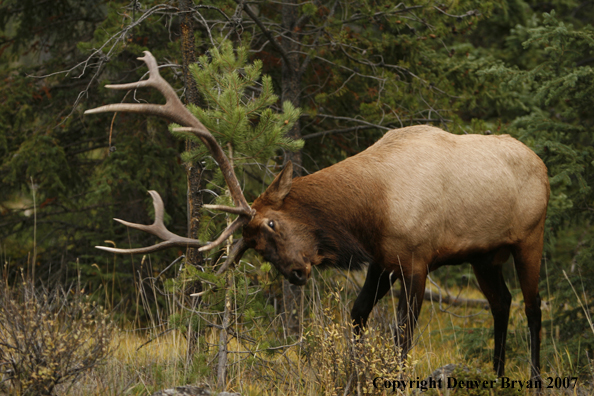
point(309, 81)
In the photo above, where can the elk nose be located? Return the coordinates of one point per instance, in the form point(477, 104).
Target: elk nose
point(298, 277)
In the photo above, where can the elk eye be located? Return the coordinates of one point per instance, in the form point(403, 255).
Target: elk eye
point(271, 224)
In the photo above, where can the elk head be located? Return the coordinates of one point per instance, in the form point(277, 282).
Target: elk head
point(265, 226)
point(283, 239)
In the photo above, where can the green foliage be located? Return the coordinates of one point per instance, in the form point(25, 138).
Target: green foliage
point(242, 119)
point(238, 111)
point(555, 97)
point(239, 106)
point(32, 28)
point(239, 114)
point(550, 103)
point(251, 310)
point(83, 171)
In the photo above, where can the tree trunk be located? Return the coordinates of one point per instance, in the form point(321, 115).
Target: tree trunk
point(223, 352)
point(193, 170)
point(291, 76)
point(291, 91)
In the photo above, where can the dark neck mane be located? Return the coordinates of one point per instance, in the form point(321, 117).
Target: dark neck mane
point(344, 214)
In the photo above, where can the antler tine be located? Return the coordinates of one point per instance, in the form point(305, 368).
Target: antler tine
point(238, 222)
point(170, 239)
point(229, 209)
point(173, 109)
point(237, 251)
point(228, 173)
point(150, 249)
point(158, 227)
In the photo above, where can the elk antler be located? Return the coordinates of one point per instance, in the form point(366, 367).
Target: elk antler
point(175, 111)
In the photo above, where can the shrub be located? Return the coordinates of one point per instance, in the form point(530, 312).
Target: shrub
point(342, 363)
point(48, 338)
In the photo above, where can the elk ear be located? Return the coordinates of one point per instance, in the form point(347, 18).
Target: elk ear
point(280, 187)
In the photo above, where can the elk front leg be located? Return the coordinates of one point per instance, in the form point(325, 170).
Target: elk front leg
point(409, 306)
point(377, 284)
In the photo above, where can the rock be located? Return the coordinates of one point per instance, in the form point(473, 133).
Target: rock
point(442, 372)
point(189, 390)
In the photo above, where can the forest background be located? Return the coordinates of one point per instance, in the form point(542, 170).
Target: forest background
point(354, 69)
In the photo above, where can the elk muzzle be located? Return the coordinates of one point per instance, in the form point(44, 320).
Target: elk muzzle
point(299, 274)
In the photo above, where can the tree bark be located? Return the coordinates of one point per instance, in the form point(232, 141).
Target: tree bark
point(291, 91)
point(223, 351)
point(193, 170)
point(291, 75)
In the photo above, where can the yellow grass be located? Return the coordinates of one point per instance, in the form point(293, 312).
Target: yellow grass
point(461, 335)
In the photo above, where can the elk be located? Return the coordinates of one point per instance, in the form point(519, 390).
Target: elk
point(416, 200)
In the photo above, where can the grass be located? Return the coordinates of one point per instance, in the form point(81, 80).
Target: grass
point(274, 362)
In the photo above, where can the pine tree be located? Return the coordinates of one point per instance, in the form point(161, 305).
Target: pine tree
point(239, 113)
point(240, 116)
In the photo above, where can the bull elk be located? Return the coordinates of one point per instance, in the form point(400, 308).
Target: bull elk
point(417, 199)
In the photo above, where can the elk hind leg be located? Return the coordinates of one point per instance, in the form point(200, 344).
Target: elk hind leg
point(488, 271)
point(527, 256)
